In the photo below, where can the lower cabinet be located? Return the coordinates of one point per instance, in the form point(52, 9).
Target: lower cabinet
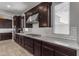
point(46, 51)
point(20, 40)
point(25, 42)
point(51, 49)
point(42, 48)
point(58, 53)
point(64, 51)
point(5, 36)
point(16, 38)
point(37, 47)
point(28, 44)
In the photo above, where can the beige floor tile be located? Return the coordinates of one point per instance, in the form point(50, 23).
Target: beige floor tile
point(10, 48)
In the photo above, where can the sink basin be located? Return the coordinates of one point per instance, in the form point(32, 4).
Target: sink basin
point(36, 35)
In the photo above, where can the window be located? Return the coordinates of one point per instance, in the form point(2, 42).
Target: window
point(61, 20)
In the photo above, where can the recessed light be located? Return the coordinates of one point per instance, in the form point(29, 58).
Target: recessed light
point(8, 6)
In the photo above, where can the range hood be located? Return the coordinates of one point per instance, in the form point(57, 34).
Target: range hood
point(33, 19)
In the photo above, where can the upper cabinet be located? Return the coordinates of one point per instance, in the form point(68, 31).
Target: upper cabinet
point(17, 23)
point(5, 23)
point(44, 10)
point(40, 14)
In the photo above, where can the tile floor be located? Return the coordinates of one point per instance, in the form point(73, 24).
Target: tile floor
point(10, 48)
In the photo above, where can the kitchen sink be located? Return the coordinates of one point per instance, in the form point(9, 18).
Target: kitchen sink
point(36, 35)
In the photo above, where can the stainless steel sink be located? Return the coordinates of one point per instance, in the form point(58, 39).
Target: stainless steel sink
point(36, 35)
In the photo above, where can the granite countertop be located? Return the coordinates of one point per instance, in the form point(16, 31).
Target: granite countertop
point(64, 42)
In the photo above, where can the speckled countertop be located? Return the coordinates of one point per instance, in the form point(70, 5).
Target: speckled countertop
point(64, 42)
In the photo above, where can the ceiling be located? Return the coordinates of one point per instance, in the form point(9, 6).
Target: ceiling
point(16, 7)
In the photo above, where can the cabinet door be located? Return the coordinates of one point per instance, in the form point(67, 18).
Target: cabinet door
point(58, 53)
point(7, 23)
point(8, 35)
point(28, 44)
point(17, 38)
point(21, 41)
point(45, 15)
point(46, 51)
point(17, 23)
point(5, 36)
point(1, 36)
point(43, 18)
point(62, 50)
point(37, 48)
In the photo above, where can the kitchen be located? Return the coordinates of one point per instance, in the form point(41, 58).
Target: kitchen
point(41, 29)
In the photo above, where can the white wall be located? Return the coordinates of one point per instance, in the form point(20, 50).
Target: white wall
point(75, 17)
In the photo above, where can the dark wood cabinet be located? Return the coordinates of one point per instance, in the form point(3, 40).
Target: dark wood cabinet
point(44, 14)
point(58, 53)
point(19, 39)
point(5, 36)
point(5, 23)
point(17, 23)
point(51, 49)
point(42, 48)
point(47, 49)
point(28, 44)
point(62, 50)
point(25, 42)
point(16, 38)
point(37, 47)
point(44, 11)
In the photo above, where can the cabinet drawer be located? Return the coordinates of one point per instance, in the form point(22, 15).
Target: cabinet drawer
point(48, 44)
point(47, 51)
point(58, 53)
point(65, 50)
point(30, 49)
point(28, 42)
point(60, 50)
